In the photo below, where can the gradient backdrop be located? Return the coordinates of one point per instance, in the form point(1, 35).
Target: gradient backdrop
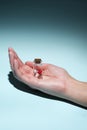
point(56, 31)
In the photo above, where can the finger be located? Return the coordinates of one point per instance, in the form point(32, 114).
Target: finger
point(43, 66)
point(11, 50)
point(17, 73)
point(29, 63)
point(27, 69)
point(21, 75)
point(11, 59)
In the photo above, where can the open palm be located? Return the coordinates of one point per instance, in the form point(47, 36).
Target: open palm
point(53, 79)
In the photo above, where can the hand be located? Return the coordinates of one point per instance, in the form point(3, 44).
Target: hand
point(53, 79)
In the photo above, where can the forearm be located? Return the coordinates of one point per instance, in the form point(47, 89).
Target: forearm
point(76, 91)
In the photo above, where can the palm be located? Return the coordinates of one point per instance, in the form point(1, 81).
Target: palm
point(53, 77)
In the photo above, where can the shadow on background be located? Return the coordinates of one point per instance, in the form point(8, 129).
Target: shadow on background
point(25, 88)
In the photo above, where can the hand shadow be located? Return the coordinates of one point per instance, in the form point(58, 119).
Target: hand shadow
point(25, 88)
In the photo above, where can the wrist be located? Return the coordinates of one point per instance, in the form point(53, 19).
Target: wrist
point(76, 91)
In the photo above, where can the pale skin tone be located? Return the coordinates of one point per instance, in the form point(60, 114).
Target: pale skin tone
point(54, 80)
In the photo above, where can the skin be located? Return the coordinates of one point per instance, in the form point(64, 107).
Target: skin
point(54, 80)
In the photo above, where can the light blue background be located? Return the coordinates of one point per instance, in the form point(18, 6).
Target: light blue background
point(62, 47)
